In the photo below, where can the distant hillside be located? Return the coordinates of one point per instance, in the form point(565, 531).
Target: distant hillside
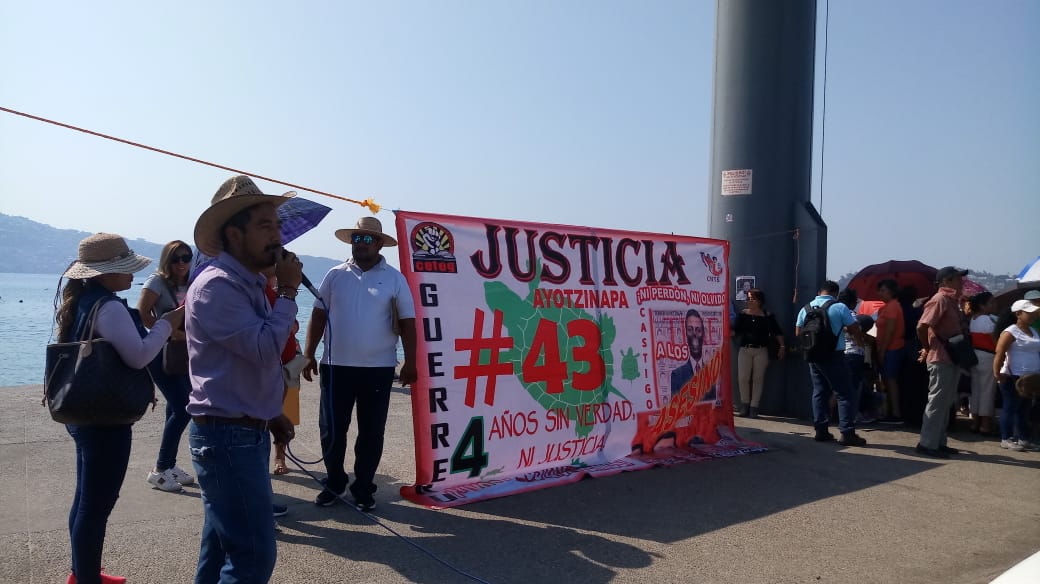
point(29, 247)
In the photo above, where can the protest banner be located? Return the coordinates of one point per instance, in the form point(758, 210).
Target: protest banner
point(551, 352)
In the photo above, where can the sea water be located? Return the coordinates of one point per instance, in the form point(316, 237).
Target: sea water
point(27, 322)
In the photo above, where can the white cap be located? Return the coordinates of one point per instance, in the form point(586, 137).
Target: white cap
point(1024, 306)
point(1032, 295)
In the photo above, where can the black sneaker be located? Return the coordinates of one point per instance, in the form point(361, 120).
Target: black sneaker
point(934, 452)
point(823, 436)
point(279, 510)
point(365, 503)
point(851, 439)
point(326, 498)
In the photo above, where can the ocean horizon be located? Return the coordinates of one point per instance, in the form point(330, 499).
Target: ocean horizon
point(27, 322)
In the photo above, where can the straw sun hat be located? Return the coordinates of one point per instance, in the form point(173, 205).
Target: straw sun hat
point(105, 253)
point(237, 193)
point(369, 225)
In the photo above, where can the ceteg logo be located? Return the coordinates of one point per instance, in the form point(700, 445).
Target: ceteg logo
point(713, 264)
point(433, 249)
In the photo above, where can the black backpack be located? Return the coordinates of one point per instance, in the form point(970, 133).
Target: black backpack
point(816, 337)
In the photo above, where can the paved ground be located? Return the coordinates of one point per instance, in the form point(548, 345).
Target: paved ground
point(803, 512)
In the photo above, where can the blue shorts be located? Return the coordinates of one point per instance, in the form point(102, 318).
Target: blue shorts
point(892, 363)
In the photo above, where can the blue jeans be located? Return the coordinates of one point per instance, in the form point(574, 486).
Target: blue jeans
point(341, 388)
point(831, 376)
point(175, 388)
point(238, 532)
point(855, 364)
point(892, 362)
point(1014, 412)
point(102, 455)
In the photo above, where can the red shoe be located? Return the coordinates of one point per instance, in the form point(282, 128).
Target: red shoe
point(105, 579)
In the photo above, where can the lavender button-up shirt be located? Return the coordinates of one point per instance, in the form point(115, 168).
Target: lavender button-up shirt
point(235, 341)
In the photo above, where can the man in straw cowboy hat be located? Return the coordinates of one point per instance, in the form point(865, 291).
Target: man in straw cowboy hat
point(235, 340)
point(366, 302)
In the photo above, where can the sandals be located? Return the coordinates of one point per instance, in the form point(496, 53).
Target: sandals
point(280, 468)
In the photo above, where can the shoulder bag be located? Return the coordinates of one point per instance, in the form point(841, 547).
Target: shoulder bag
point(88, 383)
point(1028, 385)
point(175, 357)
point(175, 352)
point(961, 352)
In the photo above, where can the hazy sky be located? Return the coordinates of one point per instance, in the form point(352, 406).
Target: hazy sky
point(589, 113)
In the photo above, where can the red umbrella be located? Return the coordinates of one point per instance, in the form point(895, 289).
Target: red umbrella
point(905, 273)
point(971, 288)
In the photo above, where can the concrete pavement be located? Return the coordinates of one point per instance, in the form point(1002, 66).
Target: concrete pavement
point(803, 512)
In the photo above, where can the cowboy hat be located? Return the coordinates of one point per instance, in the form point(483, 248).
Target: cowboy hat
point(237, 193)
point(105, 253)
point(369, 225)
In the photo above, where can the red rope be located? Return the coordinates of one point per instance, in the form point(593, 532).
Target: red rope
point(371, 204)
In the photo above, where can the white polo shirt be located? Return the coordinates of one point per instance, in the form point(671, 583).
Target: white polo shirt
point(359, 333)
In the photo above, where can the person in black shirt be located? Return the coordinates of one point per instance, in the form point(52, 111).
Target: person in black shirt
point(753, 329)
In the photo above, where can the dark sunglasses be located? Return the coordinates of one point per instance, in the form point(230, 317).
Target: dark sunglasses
point(363, 238)
point(181, 259)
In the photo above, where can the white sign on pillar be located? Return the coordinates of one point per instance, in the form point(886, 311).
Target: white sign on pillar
point(736, 182)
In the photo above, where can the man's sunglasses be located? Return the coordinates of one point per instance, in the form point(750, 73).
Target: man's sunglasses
point(363, 238)
point(181, 259)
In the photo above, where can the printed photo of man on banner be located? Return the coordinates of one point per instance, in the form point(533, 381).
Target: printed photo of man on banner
point(548, 353)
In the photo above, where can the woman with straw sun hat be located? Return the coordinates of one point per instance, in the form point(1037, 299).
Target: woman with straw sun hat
point(105, 265)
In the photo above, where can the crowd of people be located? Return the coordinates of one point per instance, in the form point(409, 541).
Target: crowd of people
point(921, 355)
point(237, 324)
point(236, 393)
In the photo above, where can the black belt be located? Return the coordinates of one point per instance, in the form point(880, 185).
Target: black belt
point(750, 346)
point(244, 421)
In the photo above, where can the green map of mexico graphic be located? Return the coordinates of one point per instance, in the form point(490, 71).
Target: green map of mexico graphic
point(562, 356)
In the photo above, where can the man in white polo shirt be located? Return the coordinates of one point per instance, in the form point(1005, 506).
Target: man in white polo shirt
point(362, 297)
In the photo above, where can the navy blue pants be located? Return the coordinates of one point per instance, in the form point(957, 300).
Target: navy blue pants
point(175, 388)
point(341, 389)
point(102, 455)
point(1014, 412)
point(831, 377)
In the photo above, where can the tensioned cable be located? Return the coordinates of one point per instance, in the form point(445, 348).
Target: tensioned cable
point(376, 520)
point(369, 203)
point(332, 424)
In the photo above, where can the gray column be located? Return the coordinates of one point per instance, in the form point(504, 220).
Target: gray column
point(761, 168)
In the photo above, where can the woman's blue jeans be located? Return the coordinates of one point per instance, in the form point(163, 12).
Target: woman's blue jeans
point(175, 388)
point(102, 455)
point(238, 532)
point(1014, 412)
